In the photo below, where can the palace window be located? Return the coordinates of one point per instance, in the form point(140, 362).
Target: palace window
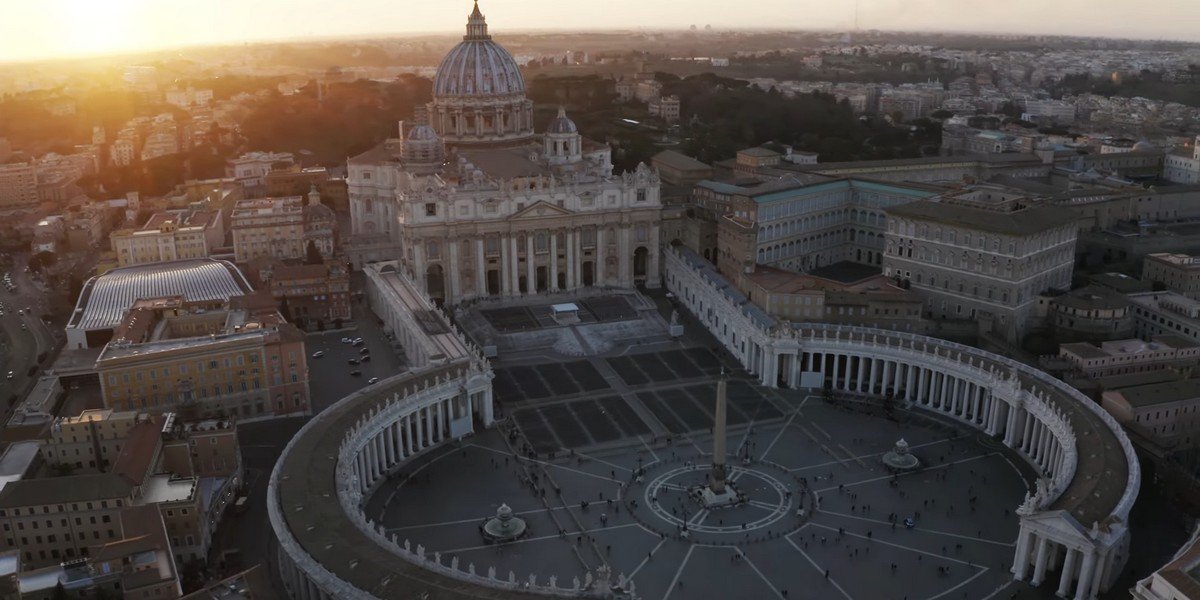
point(430, 209)
point(641, 195)
point(433, 249)
point(541, 243)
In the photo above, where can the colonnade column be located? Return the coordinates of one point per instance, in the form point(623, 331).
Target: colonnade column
point(1068, 572)
point(1040, 562)
point(1083, 589)
point(1021, 560)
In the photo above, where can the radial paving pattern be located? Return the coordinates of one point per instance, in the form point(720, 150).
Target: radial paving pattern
point(588, 507)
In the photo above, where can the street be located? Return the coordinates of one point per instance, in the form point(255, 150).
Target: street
point(19, 348)
point(329, 377)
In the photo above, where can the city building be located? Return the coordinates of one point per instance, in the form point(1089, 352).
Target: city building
point(88, 442)
point(282, 228)
point(982, 255)
point(473, 204)
point(1156, 313)
point(1130, 356)
point(1179, 579)
point(801, 226)
point(169, 236)
point(18, 185)
point(1177, 272)
point(189, 97)
point(676, 169)
point(105, 298)
point(1165, 414)
point(1091, 313)
point(312, 293)
point(1182, 165)
point(168, 355)
point(295, 181)
point(665, 108)
point(251, 169)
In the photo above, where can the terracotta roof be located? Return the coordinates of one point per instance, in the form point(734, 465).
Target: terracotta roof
point(58, 490)
point(139, 450)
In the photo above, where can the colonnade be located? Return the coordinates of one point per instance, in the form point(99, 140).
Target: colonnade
point(406, 436)
point(1081, 569)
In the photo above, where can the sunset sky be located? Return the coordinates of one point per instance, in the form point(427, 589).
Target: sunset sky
point(63, 28)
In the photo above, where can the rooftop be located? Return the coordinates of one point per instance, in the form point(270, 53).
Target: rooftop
point(57, 490)
point(104, 299)
point(1161, 393)
point(1026, 221)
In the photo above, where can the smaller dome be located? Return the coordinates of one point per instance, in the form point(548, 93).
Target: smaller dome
point(421, 133)
point(562, 123)
point(1144, 146)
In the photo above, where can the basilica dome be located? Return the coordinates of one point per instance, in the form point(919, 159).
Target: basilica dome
point(479, 93)
point(478, 66)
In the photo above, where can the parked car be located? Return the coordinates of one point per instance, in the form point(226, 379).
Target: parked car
point(364, 350)
point(356, 373)
point(353, 361)
point(372, 380)
point(366, 358)
point(318, 354)
point(346, 340)
point(10, 374)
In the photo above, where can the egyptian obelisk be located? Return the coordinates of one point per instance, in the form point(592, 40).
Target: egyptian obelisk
point(717, 485)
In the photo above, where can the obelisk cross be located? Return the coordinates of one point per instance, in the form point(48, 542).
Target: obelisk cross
point(718, 465)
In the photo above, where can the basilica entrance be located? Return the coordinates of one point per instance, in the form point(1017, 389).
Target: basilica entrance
point(562, 280)
point(589, 276)
point(435, 283)
point(493, 282)
point(543, 280)
point(640, 259)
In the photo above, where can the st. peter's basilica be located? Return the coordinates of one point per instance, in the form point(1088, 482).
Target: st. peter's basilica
point(473, 203)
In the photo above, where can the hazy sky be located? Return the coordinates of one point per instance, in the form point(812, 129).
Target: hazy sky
point(44, 28)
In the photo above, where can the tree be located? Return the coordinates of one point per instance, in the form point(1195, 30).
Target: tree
point(312, 256)
point(42, 260)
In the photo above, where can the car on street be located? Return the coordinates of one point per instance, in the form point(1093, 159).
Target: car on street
point(372, 380)
point(366, 358)
point(346, 340)
point(364, 350)
point(358, 341)
point(353, 361)
point(10, 374)
point(356, 373)
point(318, 354)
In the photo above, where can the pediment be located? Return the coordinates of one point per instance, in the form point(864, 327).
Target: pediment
point(1063, 523)
point(539, 210)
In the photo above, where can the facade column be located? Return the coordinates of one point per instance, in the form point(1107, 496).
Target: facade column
point(570, 259)
point(418, 251)
point(480, 270)
point(624, 257)
point(599, 271)
point(516, 267)
point(653, 259)
point(455, 289)
point(505, 277)
point(1068, 573)
point(530, 269)
point(553, 261)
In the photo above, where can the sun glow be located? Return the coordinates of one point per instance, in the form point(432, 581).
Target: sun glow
point(97, 26)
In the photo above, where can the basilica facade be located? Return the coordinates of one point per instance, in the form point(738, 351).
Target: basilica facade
point(472, 203)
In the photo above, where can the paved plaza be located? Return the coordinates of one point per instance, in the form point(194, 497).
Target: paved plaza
point(774, 545)
point(601, 455)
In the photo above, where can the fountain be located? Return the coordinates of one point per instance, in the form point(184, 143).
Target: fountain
point(504, 527)
point(899, 458)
